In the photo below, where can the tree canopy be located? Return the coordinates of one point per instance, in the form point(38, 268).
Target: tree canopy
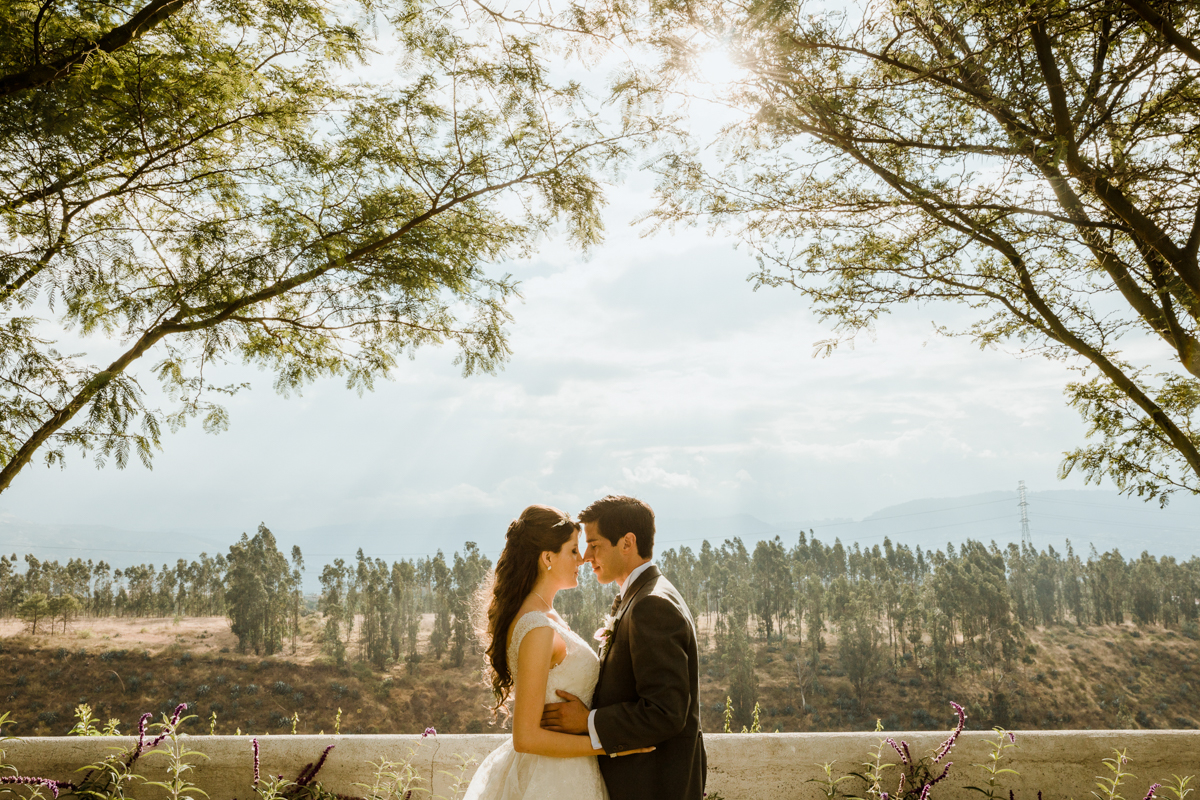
point(1037, 164)
point(206, 182)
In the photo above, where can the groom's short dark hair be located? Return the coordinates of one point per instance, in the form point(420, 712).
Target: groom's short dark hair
point(617, 515)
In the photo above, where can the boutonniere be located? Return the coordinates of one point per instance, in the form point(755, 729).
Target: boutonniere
point(604, 633)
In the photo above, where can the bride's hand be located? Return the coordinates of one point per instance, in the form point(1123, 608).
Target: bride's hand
point(631, 752)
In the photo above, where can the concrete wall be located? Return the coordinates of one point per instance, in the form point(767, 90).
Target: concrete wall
point(1061, 764)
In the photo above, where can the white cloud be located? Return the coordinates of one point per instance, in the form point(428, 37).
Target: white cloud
point(649, 368)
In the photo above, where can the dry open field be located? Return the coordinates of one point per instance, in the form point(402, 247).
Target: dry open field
point(1067, 677)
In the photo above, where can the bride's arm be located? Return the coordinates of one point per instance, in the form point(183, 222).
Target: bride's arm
point(533, 671)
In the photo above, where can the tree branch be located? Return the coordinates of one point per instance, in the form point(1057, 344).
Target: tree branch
point(1165, 28)
point(138, 24)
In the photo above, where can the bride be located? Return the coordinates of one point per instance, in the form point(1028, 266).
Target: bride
point(531, 652)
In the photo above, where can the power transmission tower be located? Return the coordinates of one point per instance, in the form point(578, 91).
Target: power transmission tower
point(1024, 504)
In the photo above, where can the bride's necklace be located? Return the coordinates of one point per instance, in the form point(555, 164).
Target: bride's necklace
point(539, 597)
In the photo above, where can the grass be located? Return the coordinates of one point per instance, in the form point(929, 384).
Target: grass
point(1089, 678)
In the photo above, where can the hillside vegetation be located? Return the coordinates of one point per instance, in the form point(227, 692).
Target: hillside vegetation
point(1069, 677)
point(817, 636)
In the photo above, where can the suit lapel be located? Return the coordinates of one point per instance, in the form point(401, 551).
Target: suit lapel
point(638, 585)
point(641, 583)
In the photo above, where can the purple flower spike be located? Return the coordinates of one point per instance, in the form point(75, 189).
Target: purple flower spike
point(429, 732)
point(925, 791)
point(900, 787)
point(305, 780)
point(949, 743)
point(945, 772)
point(142, 731)
point(1151, 794)
point(26, 780)
point(254, 747)
point(179, 709)
point(907, 754)
point(896, 747)
point(1012, 737)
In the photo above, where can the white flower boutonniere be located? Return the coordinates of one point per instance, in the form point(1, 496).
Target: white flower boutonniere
point(605, 632)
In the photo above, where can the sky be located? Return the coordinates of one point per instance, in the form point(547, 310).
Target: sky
point(647, 366)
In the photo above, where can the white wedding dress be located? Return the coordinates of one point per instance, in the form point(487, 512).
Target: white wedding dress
point(509, 775)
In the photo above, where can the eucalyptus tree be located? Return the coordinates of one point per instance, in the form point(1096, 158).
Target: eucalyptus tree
point(1035, 163)
point(469, 571)
point(215, 181)
point(336, 605)
point(406, 613)
point(773, 587)
point(258, 592)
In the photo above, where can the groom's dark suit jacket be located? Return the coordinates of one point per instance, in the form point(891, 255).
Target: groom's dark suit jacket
point(648, 694)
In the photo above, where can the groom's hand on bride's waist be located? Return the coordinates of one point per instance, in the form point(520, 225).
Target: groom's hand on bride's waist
point(570, 716)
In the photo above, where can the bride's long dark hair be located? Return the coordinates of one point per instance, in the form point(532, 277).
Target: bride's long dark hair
point(538, 529)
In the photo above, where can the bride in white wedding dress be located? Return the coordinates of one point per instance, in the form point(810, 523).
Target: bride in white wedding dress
point(531, 652)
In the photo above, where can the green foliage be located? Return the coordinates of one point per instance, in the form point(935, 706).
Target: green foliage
point(336, 604)
point(87, 725)
point(259, 594)
point(1108, 785)
point(1004, 741)
point(180, 761)
point(829, 786)
point(990, 155)
point(223, 186)
point(858, 647)
point(34, 609)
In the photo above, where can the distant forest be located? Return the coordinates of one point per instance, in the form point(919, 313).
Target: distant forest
point(944, 609)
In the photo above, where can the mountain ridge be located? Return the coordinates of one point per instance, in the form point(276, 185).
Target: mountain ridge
point(1095, 518)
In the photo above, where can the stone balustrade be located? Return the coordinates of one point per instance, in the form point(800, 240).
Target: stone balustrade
point(779, 766)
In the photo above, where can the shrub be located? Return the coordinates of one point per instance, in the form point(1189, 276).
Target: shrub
point(252, 688)
point(281, 688)
point(202, 690)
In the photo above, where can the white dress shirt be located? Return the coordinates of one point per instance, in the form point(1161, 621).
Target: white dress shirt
point(625, 584)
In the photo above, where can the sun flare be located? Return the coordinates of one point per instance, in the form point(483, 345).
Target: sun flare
point(716, 68)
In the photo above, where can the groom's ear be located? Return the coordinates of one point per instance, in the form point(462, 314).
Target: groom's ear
point(629, 542)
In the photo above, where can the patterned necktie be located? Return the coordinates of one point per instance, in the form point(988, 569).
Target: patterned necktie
point(616, 606)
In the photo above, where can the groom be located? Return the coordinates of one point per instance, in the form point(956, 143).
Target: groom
point(648, 693)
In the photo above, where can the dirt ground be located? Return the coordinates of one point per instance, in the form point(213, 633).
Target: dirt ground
point(199, 635)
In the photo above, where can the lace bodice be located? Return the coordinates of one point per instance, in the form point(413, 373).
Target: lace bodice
point(576, 673)
point(509, 775)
